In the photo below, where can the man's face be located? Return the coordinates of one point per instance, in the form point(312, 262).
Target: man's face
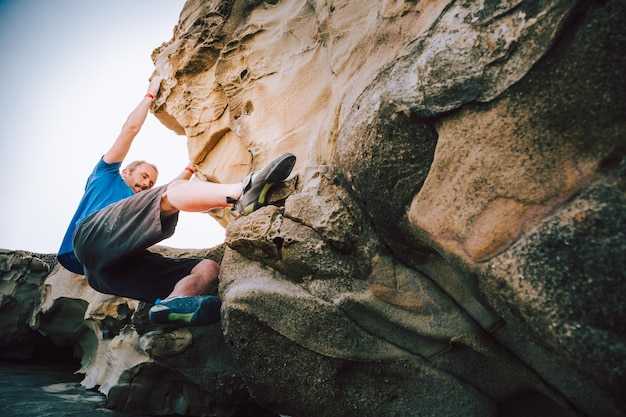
point(141, 178)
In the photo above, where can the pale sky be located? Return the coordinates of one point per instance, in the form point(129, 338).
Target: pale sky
point(71, 71)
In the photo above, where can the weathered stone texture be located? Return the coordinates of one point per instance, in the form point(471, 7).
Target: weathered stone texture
point(21, 277)
point(142, 368)
point(457, 210)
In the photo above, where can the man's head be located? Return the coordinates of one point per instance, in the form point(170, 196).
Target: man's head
point(140, 175)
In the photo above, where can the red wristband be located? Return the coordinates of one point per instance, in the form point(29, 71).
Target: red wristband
point(150, 96)
point(190, 170)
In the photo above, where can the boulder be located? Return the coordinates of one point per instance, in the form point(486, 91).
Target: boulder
point(454, 221)
point(141, 367)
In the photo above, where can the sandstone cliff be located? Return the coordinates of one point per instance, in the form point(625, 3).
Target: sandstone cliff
point(452, 240)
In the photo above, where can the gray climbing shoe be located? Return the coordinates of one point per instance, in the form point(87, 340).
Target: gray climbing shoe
point(257, 185)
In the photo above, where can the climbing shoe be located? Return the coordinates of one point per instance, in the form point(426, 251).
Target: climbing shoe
point(257, 184)
point(200, 310)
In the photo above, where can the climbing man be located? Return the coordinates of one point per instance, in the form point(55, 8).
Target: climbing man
point(122, 214)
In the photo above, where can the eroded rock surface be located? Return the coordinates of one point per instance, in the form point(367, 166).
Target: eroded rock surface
point(142, 368)
point(21, 276)
point(454, 226)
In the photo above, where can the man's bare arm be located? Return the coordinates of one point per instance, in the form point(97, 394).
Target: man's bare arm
point(187, 173)
point(132, 126)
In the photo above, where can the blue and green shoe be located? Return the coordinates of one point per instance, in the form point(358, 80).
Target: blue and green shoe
point(200, 310)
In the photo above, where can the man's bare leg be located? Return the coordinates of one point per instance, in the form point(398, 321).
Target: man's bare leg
point(202, 280)
point(191, 301)
point(188, 303)
point(197, 196)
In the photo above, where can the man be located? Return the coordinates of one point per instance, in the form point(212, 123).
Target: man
point(121, 214)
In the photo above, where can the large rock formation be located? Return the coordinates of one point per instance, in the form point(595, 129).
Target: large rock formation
point(452, 240)
point(453, 243)
point(141, 367)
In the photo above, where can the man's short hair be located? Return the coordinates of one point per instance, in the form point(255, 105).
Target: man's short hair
point(131, 167)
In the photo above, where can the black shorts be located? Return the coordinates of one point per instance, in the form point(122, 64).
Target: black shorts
point(112, 245)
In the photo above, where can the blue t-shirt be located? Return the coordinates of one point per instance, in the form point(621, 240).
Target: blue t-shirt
point(104, 186)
